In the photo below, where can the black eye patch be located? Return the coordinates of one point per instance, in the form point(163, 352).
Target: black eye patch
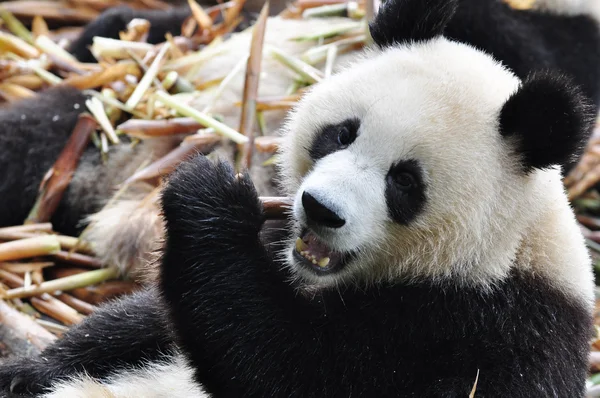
point(405, 191)
point(334, 137)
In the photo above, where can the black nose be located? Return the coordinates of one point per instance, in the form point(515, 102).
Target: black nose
point(318, 213)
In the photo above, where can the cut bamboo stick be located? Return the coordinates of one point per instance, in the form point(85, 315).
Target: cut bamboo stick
point(77, 259)
point(157, 128)
point(21, 334)
point(276, 207)
point(64, 284)
point(59, 176)
point(56, 309)
point(31, 247)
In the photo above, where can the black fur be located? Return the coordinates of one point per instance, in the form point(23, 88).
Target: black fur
point(550, 120)
point(115, 20)
point(525, 41)
point(33, 134)
point(402, 21)
point(326, 141)
point(404, 202)
point(249, 333)
point(119, 335)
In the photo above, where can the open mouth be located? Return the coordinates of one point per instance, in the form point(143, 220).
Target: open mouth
point(316, 255)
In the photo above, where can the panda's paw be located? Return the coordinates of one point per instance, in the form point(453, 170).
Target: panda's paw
point(21, 377)
point(203, 196)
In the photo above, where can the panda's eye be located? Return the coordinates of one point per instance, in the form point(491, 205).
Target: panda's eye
point(404, 180)
point(334, 137)
point(405, 191)
point(344, 136)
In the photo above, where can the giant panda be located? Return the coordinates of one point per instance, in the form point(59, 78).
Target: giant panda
point(431, 250)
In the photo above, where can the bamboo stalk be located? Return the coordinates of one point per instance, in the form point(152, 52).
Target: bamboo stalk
point(20, 333)
point(169, 162)
point(14, 92)
point(202, 18)
point(304, 70)
point(64, 284)
point(97, 109)
point(56, 309)
point(27, 248)
point(52, 327)
point(79, 305)
point(103, 47)
point(20, 268)
point(157, 128)
point(106, 291)
point(10, 43)
point(104, 76)
point(275, 208)
point(46, 303)
point(31, 82)
point(66, 242)
point(15, 26)
point(204, 119)
point(55, 11)
point(149, 76)
point(267, 144)
point(253, 68)
point(59, 176)
point(77, 259)
point(39, 27)
point(41, 227)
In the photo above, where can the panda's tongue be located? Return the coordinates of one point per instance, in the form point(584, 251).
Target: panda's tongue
point(315, 251)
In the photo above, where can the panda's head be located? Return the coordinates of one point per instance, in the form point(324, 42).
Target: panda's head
point(425, 159)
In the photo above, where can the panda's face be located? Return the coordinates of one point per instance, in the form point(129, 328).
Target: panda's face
point(398, 168)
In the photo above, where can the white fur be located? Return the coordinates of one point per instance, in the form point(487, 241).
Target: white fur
point(437, 103)
point(172, 378)
point(571, 7)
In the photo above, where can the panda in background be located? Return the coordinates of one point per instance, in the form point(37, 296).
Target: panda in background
point(431, 251)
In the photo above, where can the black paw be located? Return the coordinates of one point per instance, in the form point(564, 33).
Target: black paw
point(207, 197)
point(21, 377)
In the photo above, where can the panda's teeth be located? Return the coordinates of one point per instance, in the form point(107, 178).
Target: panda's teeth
point(300, 246)
point(324, 262)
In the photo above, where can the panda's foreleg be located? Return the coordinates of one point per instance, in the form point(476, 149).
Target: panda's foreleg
point(116, 19)
point(222, 289)
point(123, 334)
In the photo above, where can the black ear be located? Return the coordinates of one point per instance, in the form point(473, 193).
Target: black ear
point(400, 21)
point(550, 120)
